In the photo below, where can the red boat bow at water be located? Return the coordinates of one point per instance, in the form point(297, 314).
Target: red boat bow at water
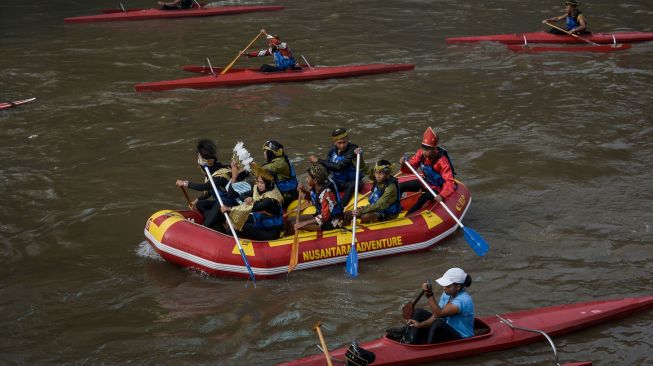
point(253, 76)
point(554, 320)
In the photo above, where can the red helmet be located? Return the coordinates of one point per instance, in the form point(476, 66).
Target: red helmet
point(430, 138)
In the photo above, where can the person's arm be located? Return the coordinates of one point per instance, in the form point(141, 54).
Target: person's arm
point(388, 198)
point(438, 312)
point(554, 19)
point(582, 25)
point(443, 167)
point(413, 161)
point(345, 163)
point(267, 205)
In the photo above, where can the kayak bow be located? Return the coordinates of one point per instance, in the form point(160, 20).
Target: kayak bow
point(15, 103)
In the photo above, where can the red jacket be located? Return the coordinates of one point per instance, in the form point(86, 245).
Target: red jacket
point(441, 165)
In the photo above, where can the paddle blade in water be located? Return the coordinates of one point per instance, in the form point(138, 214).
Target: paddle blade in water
point(475, 241)
point(352, 262)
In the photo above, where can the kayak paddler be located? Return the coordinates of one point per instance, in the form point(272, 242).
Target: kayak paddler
point(574, 18)
point(176, 4)
point(283, 58)
point(341, 163)
point(436, 165)
point(279, 164)
point(260, 216)
point(385, 197)
point(323, 194)
point(450, 318)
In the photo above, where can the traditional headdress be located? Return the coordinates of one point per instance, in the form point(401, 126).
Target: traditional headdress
point(318, 172)
point(259, 171)
point(242, 157)
point(338, 133)
point(274, 147)
point(573, 3)
point(430, 138)
point(383, 166)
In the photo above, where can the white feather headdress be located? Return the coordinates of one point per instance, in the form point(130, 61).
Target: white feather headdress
point(242, 156)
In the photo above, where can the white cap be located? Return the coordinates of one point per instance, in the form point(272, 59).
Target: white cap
point(453, 275)
point(269, 36)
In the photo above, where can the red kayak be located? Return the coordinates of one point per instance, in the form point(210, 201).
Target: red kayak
point(15, 103)
point(236, 77)
point(588, 48)
point(493, 335)
point(145, 14)
point(544, 37)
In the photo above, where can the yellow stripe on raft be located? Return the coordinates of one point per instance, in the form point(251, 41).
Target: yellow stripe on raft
point(171, 217)
point(248, 248)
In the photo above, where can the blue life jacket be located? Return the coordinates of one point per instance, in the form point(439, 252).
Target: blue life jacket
point(315, 198)
point(346, 175)
point(283, 62)
point(289, 184)
point(395, 208)
point(432, 177)
point(572, 20)
point(263, 220)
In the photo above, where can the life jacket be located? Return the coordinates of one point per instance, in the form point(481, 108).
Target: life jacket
point(572, 20)
point(393, 209)
point(289, 184)
point(283, 57)
point(264, 220)
point(315, 198)
point(432, 177)
point(345, 175)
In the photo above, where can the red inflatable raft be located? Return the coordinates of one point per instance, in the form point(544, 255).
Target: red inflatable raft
point(146, 14)
point(236, 77)
point(544, 37)
point(493, 335)
point(179, 238)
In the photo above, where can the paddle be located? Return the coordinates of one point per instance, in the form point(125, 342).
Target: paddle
point(323, 343)
point(409, 308)
point(352, 258)
point(474, 240)
point(231, 226)
point(571, 34)
point(241, 52)
point(294, 250)
point(190, 203)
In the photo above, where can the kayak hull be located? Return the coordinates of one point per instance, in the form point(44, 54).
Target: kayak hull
point(544, 37)
point(588, 48)
point(237, 77)
point(554, 320)
point(15, 103)
point(147, 14)
point(179, 238)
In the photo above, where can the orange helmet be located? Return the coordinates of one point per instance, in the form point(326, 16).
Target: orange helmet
point(430, 138)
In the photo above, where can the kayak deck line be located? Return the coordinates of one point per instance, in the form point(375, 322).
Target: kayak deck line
point(237, 77)
point(147, 14)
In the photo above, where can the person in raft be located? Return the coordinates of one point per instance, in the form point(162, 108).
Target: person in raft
point(438, 171)
point(450, 318)
point(341, 163)
point(574, 18)
point(279, 164)
point(385, 197)
point(205, 203)
point(283, 58)
point(324, 195)
point(176, 4)
point(259, 217)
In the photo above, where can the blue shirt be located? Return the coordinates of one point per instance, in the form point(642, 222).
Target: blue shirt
point(463, 322)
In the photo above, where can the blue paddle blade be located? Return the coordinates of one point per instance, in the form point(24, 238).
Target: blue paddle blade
point(249, 269)
point(352, 262)
point(475, 241)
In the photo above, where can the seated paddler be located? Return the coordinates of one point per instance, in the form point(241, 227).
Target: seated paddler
point(384, 199)
point(221, 174)
point(259, 217)
point(340, 162)
point(176, 4)
point(451, 317)
point(435, 164)
point(279, 164)
point(323, 194)
point(283, 58)
point(575, 21)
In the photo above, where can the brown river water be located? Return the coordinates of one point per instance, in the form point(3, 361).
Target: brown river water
point(556, 150)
